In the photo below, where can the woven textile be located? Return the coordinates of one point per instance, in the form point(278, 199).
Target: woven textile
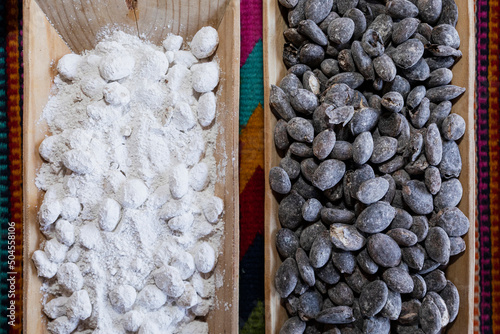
point(487, 289)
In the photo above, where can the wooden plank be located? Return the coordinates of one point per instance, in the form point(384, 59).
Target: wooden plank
point(80, 21)
point(42, 47)
point(461, 271)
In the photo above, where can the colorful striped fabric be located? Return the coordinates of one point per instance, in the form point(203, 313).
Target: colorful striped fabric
point(487, 310)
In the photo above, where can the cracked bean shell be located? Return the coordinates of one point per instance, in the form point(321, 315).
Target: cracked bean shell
point(279, 180)
point(321, 250)
point(311, 82)
point(341, 30)
point(452, 221)
point(293, 326)
point(328, 174)
point(384, 250)
point(450, 194)
point(400, 9)
point(362, 148)
point(409, 312)
point(317, 10)
point(323, 144)
point(453, 127)
point(290, 210)
point(341, 294)
point(385, 67)
point(408, 53)
point(382, 24)
point(451, 161)
point(417, 197)
point(392, 101)
point(340, 115)
point(452, 299)
point(373, 298)
point(398, 280)
point(346, 62)
point(286, 277)
point(286, 242)
point(403, 236)
point(433, 145)
point(335, 315)
point(280, 103)
point(437, 245)
point(376, 217)
point(346, 237)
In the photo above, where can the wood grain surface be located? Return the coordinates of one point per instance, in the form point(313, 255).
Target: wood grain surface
point(79, 22)
point(43, 46)
point(461, 271)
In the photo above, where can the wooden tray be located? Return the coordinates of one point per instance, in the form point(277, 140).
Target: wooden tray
point(78, 27)
point(461, 272)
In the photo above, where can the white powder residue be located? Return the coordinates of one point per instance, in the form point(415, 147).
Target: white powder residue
point(132, 224)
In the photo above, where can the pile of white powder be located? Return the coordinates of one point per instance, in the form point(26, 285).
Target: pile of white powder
point(130, 216)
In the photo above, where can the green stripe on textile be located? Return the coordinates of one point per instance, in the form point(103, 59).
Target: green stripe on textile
point(255, 323)
point(251, 84)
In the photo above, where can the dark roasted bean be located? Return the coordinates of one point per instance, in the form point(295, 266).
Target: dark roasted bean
point(294, 37)
point(326, 22)
point(286, 242)
point(306, 271)
point(399, 84)
point(356, 280)
point(297, 14)
point(332, 216)
point(429, 10)
point(417, 197)
point(351, 79)
point(299, 69)
point(341, 115)
point(404, 29)
point(409, 312)
point(290, 83)
point(328, 274)
point(321, 250)
point(359, 20)
point(279, 180)
point(450, 194)
point(376, 217)
point(400, 9)
point(453, 127)
point(342, 150)
point(433, 179)
point(290, 55)
point(312, 55)
point(415, 97)
point(445, 34)
point(429, 316)
point(372, 41)
point(457, 245)
point(291, 167)
point(402, 219)
point(345, 262)
point(440, 77)
point(414, 257)
point(444, 93)
point(421, 114)
point(362, 60)
point(309, 305)
point(290, 210)
point(437, 245)
point(364, 119)
point(452, 299)
point(392, 165)
point(433, 145)
point(451, 162)
point(392, 308)
point(330, 67)
point(341, 30)
point(418, 72)
point(384, 250)
point(385, 67)
point(441, 305)
point(309, 234)
point(286, 278)
point(440, 62)
point(335, 315)
point(453, 221)
point(419, 287)
point(313, 32)
point(346, 237)
point(391, 124)
point(380, 325)
point(300, 129)
point(301, 150)
point(280, 103)
point(435, 280)
point(311, 210)
point(449, 14)
point(317, 10)
point(366, 263)
point(288, 3)
point(362, 148)
point(328, 174)
point(398, 280)
point(403, 236)
point(344, 5)
point(311, 83)
point(392, 101)
point(440, 112)
point(281, 135)
point(341, 294)
point(401, 177)
point(408, 53)
point(293, 326)
point(373, 298)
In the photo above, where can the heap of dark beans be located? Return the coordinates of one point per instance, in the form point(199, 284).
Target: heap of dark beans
point(368, 181)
